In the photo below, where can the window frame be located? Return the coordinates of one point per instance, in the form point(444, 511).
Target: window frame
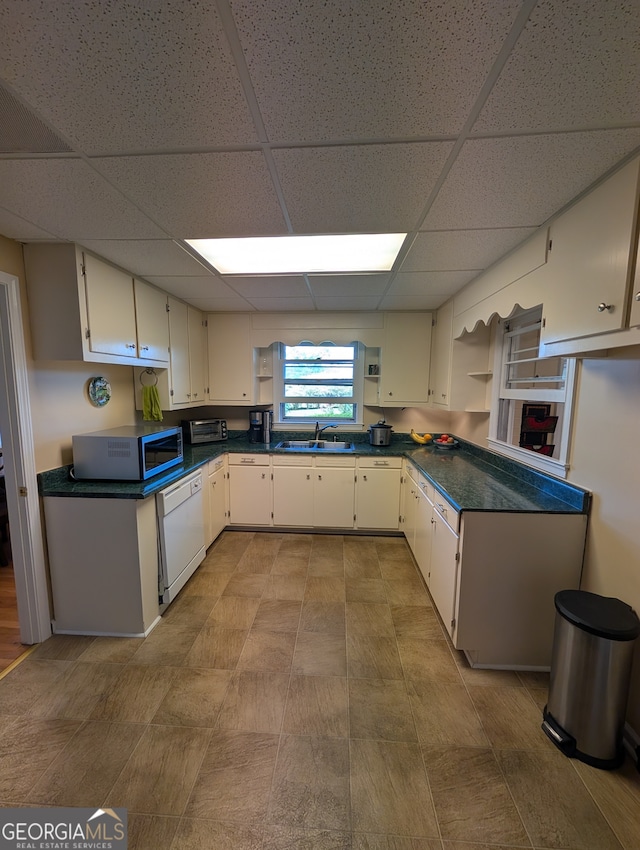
point(356, 398)
point(504, 398)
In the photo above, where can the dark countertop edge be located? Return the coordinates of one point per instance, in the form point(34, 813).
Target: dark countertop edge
point(56, 482)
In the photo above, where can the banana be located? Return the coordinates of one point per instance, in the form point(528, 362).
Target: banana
point(417, 438)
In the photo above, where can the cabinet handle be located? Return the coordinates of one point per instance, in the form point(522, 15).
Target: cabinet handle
point(381, 463)
point(308, 477)
point(319, 477)
point(602, 307)
point(264, 475)
point(247, 460)
point(195, 395)
point(364, 477)
point(130, 345)
point(144, 348)
point(244, 395)
point(637, 296)
point(390, 393)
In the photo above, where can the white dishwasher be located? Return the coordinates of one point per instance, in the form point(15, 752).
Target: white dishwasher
point(180, 533)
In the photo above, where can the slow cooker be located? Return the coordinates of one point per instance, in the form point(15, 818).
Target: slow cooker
point(380, 434)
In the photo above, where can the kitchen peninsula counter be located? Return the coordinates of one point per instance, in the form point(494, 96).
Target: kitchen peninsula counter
point(472, 478)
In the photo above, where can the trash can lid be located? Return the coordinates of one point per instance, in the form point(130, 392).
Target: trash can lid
point(603, 616)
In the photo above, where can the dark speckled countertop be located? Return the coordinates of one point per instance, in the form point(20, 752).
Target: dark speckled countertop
point(473, 479)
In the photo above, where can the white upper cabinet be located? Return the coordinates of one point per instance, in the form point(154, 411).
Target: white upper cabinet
point(151, 321)
point(232, 359)
point(83, 308)
point(404, 360)
point(589, 274)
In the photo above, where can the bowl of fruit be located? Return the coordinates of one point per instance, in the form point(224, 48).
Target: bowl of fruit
point(444, 441)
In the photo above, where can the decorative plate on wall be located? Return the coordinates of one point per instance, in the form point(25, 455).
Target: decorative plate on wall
point(99, 391)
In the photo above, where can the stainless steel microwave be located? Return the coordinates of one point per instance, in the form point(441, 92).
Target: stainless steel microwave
point(128, 453)
point(204, 430)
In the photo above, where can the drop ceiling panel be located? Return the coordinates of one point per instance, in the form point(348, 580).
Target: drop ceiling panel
point(162, 74)
point(326, 69)
point(461, 249)
point(66, 197)
point(430, 283)
point(372, 188)
point(222, 305)
point(146, 257)
point(412, 302)
point(285, 286)
point(17, 228)
point(196, 196)
point(574, 66)
point(522, 181)
point(276, 305)
point(352, 285)
point(192, 287)
point(349, 303)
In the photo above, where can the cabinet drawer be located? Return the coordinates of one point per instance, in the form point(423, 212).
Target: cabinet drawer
point(335, 460)
point(446, 510)
point(426, 487)
point(380, 463)
point(248, 460)
point(292, 460)
point(215, 464)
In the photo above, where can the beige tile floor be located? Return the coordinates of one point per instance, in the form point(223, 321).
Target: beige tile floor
point(300, 694)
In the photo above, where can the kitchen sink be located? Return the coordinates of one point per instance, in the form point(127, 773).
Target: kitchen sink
point(325, 446)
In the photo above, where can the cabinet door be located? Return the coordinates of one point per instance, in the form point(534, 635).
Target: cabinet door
point(423, 535)
point(440, 367)
point(232, 376)
point(293, 495)
point(333, 497)
point(110, 309)
point(590, 259)
point(409, 507)
point(249, 495)
point(197, 355)
point(444, 569)
point(404, 367)
point(217, 503)
point(179, 352)
point(152, 322)
point(378, 498)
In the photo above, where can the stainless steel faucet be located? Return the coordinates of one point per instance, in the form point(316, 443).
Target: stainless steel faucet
point(319, 430)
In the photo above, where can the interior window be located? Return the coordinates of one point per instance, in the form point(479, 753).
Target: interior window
point(531, 410)
point(318, 383)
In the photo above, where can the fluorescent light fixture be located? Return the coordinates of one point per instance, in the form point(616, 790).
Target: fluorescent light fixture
point(348, 252)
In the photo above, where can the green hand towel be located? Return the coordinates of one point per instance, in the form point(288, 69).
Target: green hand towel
point(151, 404)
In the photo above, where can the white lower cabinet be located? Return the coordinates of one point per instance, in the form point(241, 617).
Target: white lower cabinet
point(313, 491)
point(216, 499)
point(378, 493)
point(422, 539)
point(443, 568)
point(249, 490)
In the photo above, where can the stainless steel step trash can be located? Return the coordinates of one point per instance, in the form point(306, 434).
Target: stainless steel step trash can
point(593, 644)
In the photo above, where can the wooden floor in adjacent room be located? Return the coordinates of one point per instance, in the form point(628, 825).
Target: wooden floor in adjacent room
point(10, 646)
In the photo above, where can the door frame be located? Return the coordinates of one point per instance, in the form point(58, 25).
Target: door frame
point(23, 503)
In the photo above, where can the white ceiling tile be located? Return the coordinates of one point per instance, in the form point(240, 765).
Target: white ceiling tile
point(574, 66)
point(112, 75)
point(278, 305)
point(349, 303)
point(442, 250)
point(192, 287)
point(146, 257)
point(222, 305)
point(522, 181)
point(412, 302)
point(66, 197)
point(431, 283)
point(198, 196)
point(276, 286)
point(351, 286)
point(366, 189)
point(15, 227)
point(329, 69)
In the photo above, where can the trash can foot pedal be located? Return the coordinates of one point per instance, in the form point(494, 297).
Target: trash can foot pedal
point(567, 744)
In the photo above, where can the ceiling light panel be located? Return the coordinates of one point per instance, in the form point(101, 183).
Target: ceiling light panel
point(298, 254)
point(373, 187)
point(326, 69)
point(166, 67)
